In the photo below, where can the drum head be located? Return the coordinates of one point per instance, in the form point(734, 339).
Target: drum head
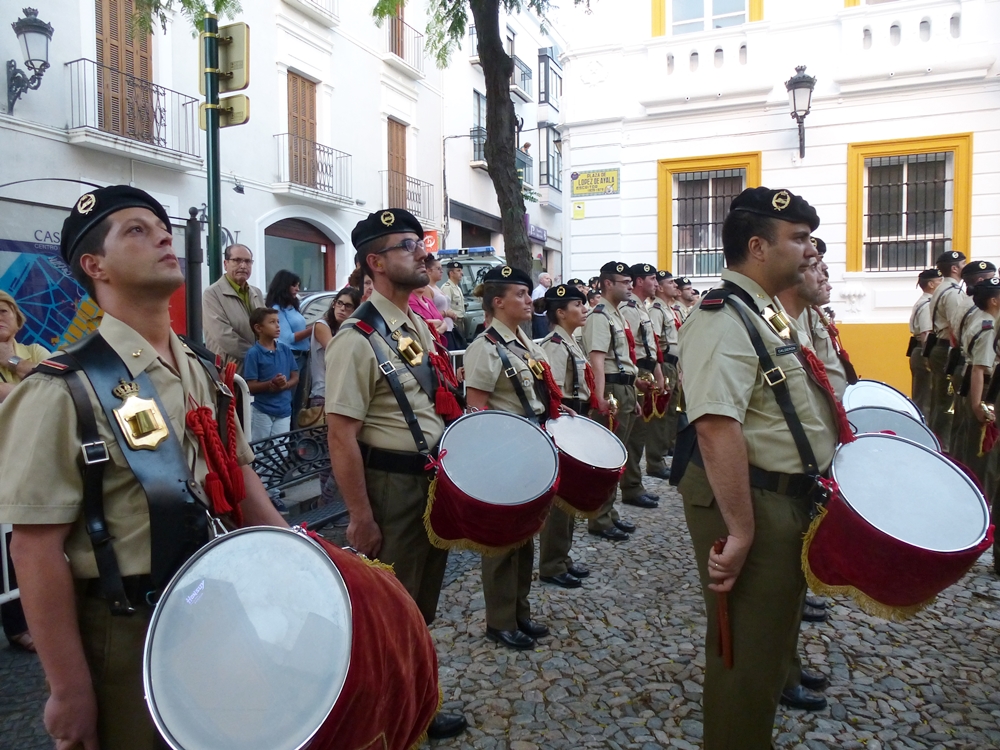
point(499, 458)
point(866, 419)
point(874, 393)
point(911, 493)
point(587, 441)
point(250, 644)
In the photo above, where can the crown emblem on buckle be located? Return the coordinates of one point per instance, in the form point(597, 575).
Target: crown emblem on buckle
point(123, 390)
point(388, 218)
point(86, 203)
point(507, 271)
point(781, 200)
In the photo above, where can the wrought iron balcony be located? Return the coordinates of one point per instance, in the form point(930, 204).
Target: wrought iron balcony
point(520, 80)
point(478, 136)
point(401, 191)
point(525, 167)
point(406, 43)
point(312, 165)
point(114, 102)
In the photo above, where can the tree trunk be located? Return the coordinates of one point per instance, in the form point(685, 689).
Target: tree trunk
point(501, 126)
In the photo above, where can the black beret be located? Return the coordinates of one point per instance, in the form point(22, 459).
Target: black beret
point(507, 275)
point(951, 256)
point(663, 275)
point(96, 206)
point(819, 245)
point(576, 282)
point(451, 265)
point(776, 204)
point(992, 283)
point(380, 223)
point(641, 270)
point(682, 281)
point(564, 292)
point(615, 267)
point(977, 267)
point(930, 273)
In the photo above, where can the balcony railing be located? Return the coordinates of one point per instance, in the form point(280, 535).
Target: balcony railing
point(525, 167)
point(405, 42)
point(123, 105)
point(521, 78)
point(550, 171)
point(401, 191)
point(313, 165)
point(473, 44)
point(478, 136)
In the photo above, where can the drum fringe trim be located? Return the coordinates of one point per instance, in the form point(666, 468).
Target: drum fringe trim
point(568, 509)
point(423, 736)
point(865, 603)
point(450, 544)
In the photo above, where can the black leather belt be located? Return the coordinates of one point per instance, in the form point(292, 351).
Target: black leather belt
point(943, 342)
point(647, 364)
point(395, 462)
point(793, 485)
point(576, 404)
point(619, 378)
point(136, 589)
point(670, 359)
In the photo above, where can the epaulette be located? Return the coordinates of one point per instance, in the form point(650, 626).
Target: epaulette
point(599, 308)
point(987, 325)
point(631, 303)
point(56, 366)
point(715, 299)
point(366, 329)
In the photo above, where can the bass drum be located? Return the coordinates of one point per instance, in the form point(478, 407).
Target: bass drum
point(868, 419)
point(266, 640)
point(591, 461)
point(874, 393)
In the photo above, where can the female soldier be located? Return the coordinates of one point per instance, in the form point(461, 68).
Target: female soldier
point(566, 308)
point(506, 295)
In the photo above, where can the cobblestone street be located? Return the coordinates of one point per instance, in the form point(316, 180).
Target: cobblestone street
point(623, 668)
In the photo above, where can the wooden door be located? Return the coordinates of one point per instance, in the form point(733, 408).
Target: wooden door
point(127, 102)
point(397, 165)
point(301, 130)
point(397, 43)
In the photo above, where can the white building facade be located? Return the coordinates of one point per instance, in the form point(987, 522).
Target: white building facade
point(674, 116)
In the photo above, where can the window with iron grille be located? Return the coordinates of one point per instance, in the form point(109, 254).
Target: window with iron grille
point(550, 158)
point(701, 202)
point(691, 16)
point(478, 126)
point(549, 78)
point(909, 206)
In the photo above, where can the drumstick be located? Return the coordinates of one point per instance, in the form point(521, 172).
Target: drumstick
point(722, 605)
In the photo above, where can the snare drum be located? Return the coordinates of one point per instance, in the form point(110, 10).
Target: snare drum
point(496, 479)
point(906, 524)
point(591, 461)
point(266, 640)
point(874, 393)
point(866, 419)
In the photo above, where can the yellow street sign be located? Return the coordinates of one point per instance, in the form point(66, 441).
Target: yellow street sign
point(596, 182)
point(234, 58)
point(579, 210)
point(233, 110)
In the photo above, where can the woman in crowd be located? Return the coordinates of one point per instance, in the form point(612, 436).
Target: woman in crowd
point(283, 296)
point(442, 303)
point(422, 303)
point(344, 304)
point(16, 362)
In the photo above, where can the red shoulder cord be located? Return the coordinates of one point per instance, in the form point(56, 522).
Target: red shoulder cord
point(555, 392)
point(588, 376)
point(659, 354)
point(834, 336)
point(224, 481)
point(445, 402)
point(817, 371)
point(631, 344)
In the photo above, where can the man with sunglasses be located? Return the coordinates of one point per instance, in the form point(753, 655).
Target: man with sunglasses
point(378, 374)
point(226, 308)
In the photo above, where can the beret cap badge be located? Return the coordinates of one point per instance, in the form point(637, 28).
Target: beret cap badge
point(506, 272)
point(620, 268)
point(86, 203)
point(561, 291)
point(781, 200)
point(388, 218)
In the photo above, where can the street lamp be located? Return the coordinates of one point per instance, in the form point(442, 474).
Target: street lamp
point(34, 36)
point(800, 91)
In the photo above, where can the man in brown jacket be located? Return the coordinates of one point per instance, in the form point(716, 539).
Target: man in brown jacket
point(226, 308)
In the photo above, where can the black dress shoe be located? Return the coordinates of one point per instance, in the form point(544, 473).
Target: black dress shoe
point(627, 526)
point(814, 680)
point(566, 580)
point(642, 501)
point(661, 474)
point(651, 496)
point(510, 638)
point(578, 569)
point(811, 614)
point(613, 534)
point(532, 628)
point(447, 725)
point(803, 698)
point(815, 602)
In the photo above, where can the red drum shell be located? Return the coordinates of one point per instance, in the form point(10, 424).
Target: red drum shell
point(583, 487)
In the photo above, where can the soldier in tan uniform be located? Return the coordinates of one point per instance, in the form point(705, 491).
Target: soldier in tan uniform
point(117, 242)
point(663, 429)
point(946, 302)
point(920, 328)
point(566, 308)
point(607, 345)
point(378, 460)
point(452, 289)
point(506, 294)
point(650, 380)
point(748, 483)
point(687, 297)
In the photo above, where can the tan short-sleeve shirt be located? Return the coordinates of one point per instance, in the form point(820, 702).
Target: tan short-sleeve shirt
point(454, 294)
point(634, 312)
point(357, 389)
point(568, 363)
point(662, 318)
point(822, 343)
point(722, 376)
point(920, 317)
point(485, 372)
point(946, 302)
point(604, 332)
point(40, 448)
point(977, 339)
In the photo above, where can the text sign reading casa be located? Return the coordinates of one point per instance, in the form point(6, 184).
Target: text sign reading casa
point(596, 182)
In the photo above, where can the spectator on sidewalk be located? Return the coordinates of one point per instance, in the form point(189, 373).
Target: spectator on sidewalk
point(271, 375)
point(226, 308)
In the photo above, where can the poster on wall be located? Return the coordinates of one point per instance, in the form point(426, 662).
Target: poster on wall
point(595, 182)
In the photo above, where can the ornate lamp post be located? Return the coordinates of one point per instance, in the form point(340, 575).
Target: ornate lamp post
point(34, 36)
point(800, 91)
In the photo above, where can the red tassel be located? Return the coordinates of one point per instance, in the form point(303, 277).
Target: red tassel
point(216, 493)
point(989, 438)
point(659, 354)
point(631, 344)
point(446, 404)
point(817, 371)
point(555, 392)
point(588, 375)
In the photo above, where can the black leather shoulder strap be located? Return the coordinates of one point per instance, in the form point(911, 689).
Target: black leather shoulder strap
point(511, 373)
point(422, 372)
point(555, 338)
point(614, 342)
